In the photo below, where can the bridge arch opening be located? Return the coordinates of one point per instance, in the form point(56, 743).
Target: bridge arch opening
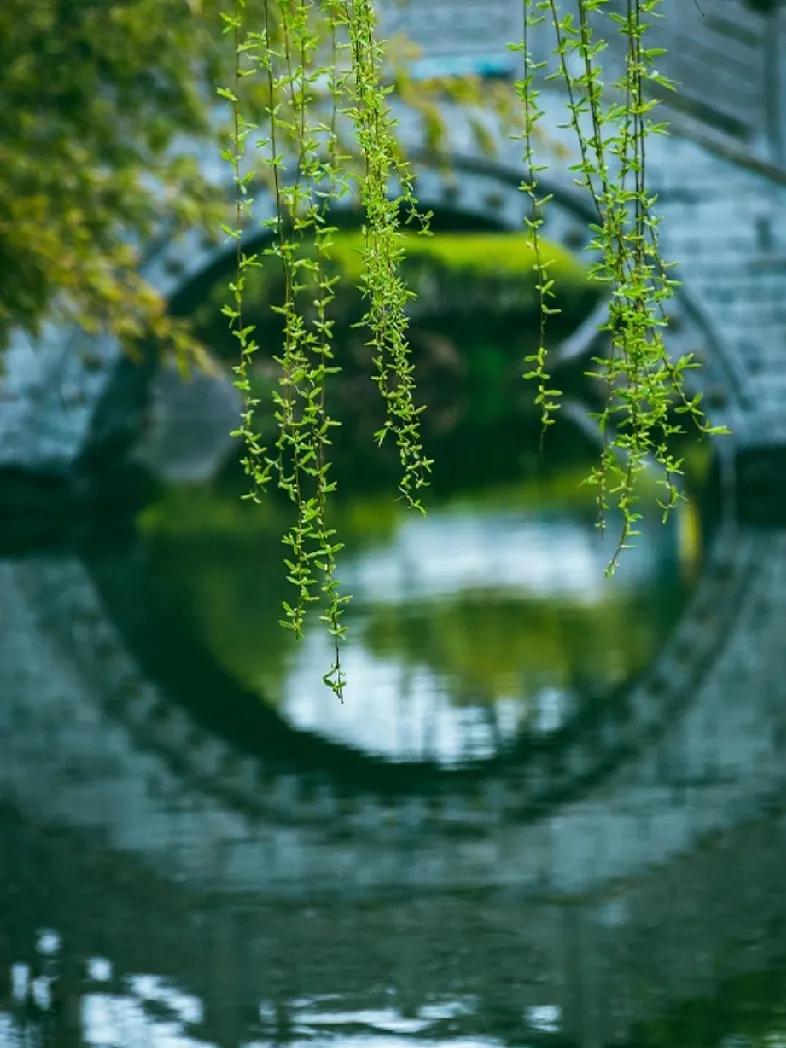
point(467, 200)
point(472, 195)
point(487, 199)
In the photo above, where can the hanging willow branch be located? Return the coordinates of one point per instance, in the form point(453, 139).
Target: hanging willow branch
point(546, 397)
point(321, 62)
point(611, 130)
point(382, 285)
point(304, 180)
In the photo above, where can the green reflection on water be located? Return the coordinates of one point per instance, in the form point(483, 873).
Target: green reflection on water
point(495, 602)
point(491, 616)
point(747, 1011)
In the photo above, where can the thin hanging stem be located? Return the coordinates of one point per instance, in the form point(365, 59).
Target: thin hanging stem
point(546, 397)
point(382, 285)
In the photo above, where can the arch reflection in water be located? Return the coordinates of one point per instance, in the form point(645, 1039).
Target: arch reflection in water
point(264, 888)
point(488, 619)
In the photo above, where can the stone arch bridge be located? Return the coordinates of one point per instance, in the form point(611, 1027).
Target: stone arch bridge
point(68, 402)
point(661, 797)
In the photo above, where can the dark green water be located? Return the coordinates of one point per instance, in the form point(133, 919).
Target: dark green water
point(549, 812)
point(466, 631)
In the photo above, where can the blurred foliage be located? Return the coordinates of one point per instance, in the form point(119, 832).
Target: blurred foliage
point(95, 97)
point(105, 105)
point(488, 646)
point(475, 256)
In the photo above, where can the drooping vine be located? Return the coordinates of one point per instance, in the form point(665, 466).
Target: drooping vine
point(612, 123)
point(321, 66)
point(382, 284)
point(254, 453)
point(546, 398)
point(298, 154)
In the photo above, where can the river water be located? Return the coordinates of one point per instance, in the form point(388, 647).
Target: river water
point(548, 812)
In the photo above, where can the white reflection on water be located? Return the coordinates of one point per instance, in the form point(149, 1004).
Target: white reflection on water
point(20, 981)
point(10, 1033)
point(121, 1021)
point(151, 988)
point(149, 1012)
point(382, 1041)
point(450, 552)
point(48, 942)
point(316, 1023)
point(405, 712)
point(404, 709)
point(394, 710)
point(99, 969)
point(544, 1017)
point(154, 1013)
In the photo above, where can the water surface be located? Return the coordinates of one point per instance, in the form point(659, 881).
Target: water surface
point(549, 811)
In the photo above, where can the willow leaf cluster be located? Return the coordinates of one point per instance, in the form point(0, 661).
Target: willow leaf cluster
point(612, 123)
point(319, 66)
point(382, 284)
point(327, 129)
point(295, 155)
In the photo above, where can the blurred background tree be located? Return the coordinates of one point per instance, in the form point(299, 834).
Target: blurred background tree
point(96, 96)
point(104, 104)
